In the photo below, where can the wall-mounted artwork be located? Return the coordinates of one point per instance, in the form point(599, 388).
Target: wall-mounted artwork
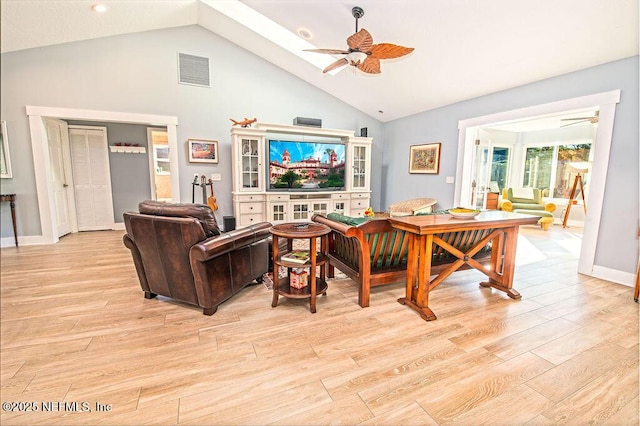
point(5, 159)
point(203, 151)
point(425, 158)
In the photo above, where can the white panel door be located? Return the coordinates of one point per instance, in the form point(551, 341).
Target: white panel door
point(92, 178)
point(61, 174)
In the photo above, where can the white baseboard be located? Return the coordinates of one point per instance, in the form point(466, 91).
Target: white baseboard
point(613, 275)
point(36, 240)
point(7, 242)
point(31, 240)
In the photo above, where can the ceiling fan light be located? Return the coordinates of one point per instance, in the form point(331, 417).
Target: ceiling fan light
point(355, 58)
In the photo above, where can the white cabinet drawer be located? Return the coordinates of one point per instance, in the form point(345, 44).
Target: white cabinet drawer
point(250, 219)
point(340, 196)
point(359, 204)
point(278, 197)
point(356, 195)
point(249, 208)
point(249, 198)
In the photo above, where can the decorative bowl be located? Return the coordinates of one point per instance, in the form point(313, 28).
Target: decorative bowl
point(461, 213)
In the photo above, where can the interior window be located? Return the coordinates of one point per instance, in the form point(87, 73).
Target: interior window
point(572, 159)
point(553, 168)
point(161, 159)
point(537, 167)
point(499, 168)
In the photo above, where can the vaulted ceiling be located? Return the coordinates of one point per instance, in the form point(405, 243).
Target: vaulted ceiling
point(463, 48)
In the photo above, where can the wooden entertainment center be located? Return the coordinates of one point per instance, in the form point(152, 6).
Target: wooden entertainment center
point(254, 201)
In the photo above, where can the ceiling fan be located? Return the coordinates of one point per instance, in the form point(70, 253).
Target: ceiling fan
point(362, 53)
point(593, 119)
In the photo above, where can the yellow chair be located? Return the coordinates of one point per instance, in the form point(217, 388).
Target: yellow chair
point(528, 201)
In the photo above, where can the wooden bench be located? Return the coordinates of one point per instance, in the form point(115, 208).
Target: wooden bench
point(387, 250)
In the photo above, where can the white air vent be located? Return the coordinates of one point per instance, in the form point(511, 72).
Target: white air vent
point(193, 70)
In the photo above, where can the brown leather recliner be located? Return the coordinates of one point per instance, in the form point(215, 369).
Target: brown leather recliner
point(179, 253)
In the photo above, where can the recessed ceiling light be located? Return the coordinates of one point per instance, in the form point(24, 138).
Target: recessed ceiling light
point(305, 33)
point(100, 8)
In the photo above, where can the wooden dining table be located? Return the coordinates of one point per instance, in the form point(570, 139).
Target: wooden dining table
point(423, 234)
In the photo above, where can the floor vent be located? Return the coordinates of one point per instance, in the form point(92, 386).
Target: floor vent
point(193, 70)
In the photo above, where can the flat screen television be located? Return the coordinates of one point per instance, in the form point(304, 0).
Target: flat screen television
point(306, 166)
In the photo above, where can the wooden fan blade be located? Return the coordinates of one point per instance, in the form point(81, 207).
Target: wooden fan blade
point(329, 51)
point(389, 51)
point(337, 64)
point(361, 41)
point(370, 65)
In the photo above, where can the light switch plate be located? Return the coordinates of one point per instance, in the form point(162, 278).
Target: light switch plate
point(449, 179)
point(216, 176)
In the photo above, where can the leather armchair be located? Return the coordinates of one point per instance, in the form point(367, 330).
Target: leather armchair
point(178, 252)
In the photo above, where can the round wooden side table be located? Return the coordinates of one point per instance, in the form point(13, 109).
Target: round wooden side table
point(317, 284)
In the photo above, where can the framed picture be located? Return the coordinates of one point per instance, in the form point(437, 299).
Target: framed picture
point(5, 159)
point(203, 151)
point(425, 158)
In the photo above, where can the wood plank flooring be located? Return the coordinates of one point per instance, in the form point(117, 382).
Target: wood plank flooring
point(75, 328)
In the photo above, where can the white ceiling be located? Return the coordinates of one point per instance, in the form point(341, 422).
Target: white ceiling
point(463, 48)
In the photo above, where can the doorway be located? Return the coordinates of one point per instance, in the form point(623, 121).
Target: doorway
point(605, 103)
point(159, 163)
point(491, 165)
point(42, 160)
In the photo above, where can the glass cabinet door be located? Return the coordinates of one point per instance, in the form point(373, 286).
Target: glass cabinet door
point(300, 211)
point(359, 166)
point(249, 158)
point(278, 212)
point(320, 208)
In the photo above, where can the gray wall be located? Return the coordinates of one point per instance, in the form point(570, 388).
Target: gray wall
point(617, 243)
point(137, 73)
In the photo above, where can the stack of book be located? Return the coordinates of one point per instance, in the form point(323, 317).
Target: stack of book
point(297, 256)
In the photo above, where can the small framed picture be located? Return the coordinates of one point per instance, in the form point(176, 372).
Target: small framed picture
point(203, 151)
point(425, 158)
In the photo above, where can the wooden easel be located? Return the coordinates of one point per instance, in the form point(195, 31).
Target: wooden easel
point(577, 180)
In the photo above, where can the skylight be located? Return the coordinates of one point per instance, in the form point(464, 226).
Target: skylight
point(271, 30)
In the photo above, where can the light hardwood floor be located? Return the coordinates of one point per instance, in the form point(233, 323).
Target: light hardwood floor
point(76, 328)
